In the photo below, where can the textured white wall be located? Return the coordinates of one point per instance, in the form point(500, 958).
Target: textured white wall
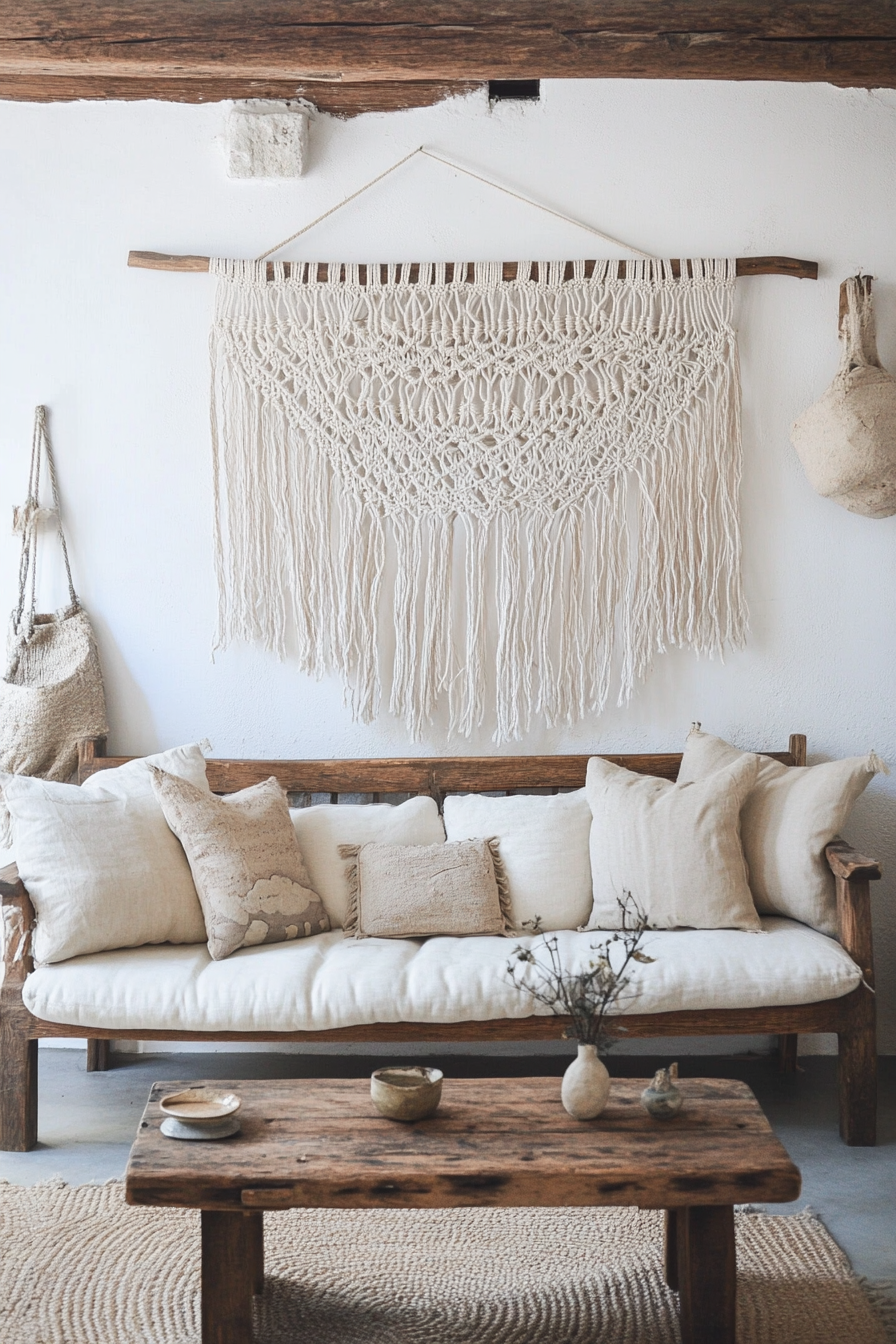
point(676, 168)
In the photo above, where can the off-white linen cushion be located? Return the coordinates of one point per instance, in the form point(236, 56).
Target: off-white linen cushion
point(675, 848)
point(246, 863)
point(790, 814)
point(99, 862)
point(415, 891)
point(544, 850)
point(330, 981)
point(321, 830)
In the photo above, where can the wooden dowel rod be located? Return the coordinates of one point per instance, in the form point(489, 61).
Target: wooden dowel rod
point(746, 266)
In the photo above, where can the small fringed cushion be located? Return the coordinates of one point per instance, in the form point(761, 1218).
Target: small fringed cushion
point(416, 891)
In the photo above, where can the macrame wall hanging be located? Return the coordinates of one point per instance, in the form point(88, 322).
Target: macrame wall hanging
point(528, 473)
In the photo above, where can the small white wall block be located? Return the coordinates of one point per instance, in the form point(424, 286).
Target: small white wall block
point(266, 139)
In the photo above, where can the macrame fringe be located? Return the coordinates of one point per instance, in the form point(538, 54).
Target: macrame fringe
point(552, 468)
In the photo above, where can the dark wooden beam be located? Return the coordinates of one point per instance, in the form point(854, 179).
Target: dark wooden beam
point(338, 99)
point(200, 49)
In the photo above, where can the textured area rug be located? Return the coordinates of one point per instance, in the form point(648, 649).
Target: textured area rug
point(79, 1266)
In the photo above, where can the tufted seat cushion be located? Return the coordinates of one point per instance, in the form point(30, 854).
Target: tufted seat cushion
point(329, 981)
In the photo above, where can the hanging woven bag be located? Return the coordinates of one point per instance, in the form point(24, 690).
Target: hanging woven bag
point(847, 440)
point(52, 694)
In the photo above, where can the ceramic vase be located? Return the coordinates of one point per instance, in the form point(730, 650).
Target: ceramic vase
point(586, 1084)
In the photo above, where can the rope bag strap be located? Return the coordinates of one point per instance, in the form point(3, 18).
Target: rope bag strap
point(857, 328)
point(26, 518)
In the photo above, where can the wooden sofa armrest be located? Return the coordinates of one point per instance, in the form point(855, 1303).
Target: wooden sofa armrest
point(18, 925)
point(853, 873)
point(848, 863)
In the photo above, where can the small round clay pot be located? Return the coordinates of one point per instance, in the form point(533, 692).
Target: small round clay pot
point(406, 1093)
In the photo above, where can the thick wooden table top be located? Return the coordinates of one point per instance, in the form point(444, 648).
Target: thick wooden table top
point(314, 1143)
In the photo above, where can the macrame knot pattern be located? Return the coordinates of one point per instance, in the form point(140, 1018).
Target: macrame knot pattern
point(549, 466)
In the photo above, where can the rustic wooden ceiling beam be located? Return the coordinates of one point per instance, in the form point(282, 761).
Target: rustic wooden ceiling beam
point(238, 48)
point(341, 100)
point(745, 266)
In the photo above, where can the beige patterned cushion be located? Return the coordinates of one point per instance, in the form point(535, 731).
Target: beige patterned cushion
point(246, 863)
point(416, 891)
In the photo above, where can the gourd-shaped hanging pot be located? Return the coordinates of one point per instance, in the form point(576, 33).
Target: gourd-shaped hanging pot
point(847, 440)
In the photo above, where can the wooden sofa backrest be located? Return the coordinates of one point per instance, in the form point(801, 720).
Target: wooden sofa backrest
point(436, 776)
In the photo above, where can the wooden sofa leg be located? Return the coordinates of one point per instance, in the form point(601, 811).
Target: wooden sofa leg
point(857, 1074)
point(18, 1089)
point(788, 1045)
point(97, 1055)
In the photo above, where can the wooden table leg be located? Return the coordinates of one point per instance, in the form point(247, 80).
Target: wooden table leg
point(670, 1249)
point(256, 1224)
point(229, 1275)
point(707, 1274)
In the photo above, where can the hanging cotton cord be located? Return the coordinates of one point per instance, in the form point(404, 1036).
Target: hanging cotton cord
point(551, 465)
point(489, 182)
point(529, 200)
point(332, 211)
point(26, 518)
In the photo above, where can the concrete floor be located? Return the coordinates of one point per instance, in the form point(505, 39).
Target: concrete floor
point(87, 1122)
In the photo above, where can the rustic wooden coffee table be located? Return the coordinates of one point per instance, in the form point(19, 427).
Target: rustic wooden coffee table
point(321, 1144)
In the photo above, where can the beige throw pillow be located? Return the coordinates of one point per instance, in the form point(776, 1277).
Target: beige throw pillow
point(544, 850)
point(99, 862)
point(675, 847)
point(246, 863)
point(789, 816)
point(415, 891)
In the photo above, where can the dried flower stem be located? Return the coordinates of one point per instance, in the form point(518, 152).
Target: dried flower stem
point(586, 997)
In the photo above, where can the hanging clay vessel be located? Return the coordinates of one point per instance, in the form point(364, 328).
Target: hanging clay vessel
point(662, 1099)
point(847, 440)
point(586, 1084)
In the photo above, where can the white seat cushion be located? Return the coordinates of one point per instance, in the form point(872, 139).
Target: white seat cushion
point(333, 981)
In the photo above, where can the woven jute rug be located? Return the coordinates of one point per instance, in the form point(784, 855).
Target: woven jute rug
point(79, 1266)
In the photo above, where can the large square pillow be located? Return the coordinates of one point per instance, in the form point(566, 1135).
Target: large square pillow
point(322, 830)
point(675, 848)
point(246, 864)
point(544, 850)
point(789, 815)
point(99, 862)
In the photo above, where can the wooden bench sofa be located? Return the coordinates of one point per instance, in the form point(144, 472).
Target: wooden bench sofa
point(851, 1017)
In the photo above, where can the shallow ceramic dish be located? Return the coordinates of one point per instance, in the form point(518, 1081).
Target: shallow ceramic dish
point(406, 1093)
point(200, 1113)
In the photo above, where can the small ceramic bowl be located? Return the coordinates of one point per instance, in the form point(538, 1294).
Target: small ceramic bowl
point(200, 1113)
point(406, 1093)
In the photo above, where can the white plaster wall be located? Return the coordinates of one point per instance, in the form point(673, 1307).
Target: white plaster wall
point(677, 168)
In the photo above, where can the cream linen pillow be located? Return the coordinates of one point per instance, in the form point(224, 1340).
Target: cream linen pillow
point(789, 816)
point(416, 891)
point(99, 862)
point(321, 831)
point(544, 850)
point(246, 863)
point(675, 847)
